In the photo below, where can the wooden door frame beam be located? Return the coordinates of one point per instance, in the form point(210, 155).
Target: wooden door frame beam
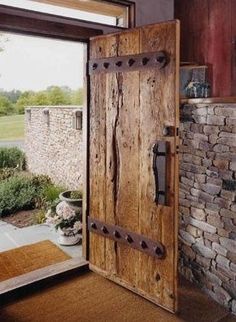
point(30, 22)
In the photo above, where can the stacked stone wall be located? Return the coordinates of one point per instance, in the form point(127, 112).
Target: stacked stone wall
point(53, 146)
point(207, 231)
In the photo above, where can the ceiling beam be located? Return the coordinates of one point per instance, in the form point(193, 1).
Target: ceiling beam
point(99, 7)
point(42, 24)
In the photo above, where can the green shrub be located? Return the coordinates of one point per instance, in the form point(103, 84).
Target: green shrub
point(12, 158)
point(16, 193)
point(51, 192)
point(6, 173)
point(21, 192)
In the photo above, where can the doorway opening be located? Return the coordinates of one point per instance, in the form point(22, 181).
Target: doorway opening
point(41, 153)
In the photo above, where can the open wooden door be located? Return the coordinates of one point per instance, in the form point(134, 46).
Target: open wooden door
point(133, 162)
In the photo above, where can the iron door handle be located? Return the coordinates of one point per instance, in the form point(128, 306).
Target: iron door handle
point(160, 159)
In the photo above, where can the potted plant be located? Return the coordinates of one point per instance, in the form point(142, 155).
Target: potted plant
point(67, 221)
point(73, 198)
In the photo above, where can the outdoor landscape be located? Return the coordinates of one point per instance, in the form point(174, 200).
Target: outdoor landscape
point(46, 73)
point(13, 103)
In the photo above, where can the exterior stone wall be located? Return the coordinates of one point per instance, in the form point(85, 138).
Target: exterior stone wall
point(207, 230)
point(52, 146)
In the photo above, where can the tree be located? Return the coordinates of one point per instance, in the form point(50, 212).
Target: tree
point(78, 97)
point(26, 99)
point(6, 107)
point(56, 96)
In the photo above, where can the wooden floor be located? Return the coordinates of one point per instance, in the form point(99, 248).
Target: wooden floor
point(89, 297)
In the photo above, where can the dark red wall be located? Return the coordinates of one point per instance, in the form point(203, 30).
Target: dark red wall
point(208, 35)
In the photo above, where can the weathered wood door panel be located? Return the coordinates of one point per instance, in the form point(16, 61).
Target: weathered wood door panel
point(130, 108)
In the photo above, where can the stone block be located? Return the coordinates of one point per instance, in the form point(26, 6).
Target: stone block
point(204, 251)
point(200, 178)
point(212, 173)
point(233, 267)
point(196, 128)
point(228, 141)
point(202, 225)
point(195, 232)
point(213, 138)
point(205, 146)
point(215, 181)
point(229, 195)
point(212, 277)
point(189, 239)
point(230, 120)
point(203, 261)
point(211, 188)
point(184, 202)
point(187, 250)
point(223, 261)
point(232, 256)
point(226, 272)
point(226, 111)
point(215, 220)
point(201, 119)
point(234, 306)
point(211, 129)
point(227, 213)
point(226, 174)
point(200, 110)
point(229, 244)
point(215, 120)
point(187, 181)
point(198, 213)
point(184, 210)
point(222, 296)
point(207, 162)
point(200, 137)
point(219, 249)
point(226, 156)
point(221, 164)
point(221, 148)
point(222, 203)
point(232, 166)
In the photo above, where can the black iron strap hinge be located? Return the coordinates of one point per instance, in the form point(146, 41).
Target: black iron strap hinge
point(124, 236)
point(128, 63)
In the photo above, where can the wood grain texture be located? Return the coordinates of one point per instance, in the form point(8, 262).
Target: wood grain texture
point(207, 37)
point(129, 111)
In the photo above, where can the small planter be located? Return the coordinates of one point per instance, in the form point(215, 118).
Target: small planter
point(67, 237)
point(75, 204)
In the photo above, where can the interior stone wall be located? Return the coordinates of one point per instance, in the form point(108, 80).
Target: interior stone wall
point(52, 146)
point(207, 231)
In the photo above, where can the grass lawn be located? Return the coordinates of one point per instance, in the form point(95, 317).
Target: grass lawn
point(12, 127)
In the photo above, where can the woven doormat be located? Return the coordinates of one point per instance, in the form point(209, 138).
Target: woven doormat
point(28, 258)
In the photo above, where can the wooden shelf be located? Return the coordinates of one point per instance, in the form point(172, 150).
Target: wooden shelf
point(208, 100)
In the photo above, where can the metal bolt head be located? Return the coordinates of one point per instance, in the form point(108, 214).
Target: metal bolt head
point(158, 251)
point(131, 61)
point(143, 244)
point(106, 65)
point(129, 239)
point(93, 225)
point(104, 230)
point(116, 234)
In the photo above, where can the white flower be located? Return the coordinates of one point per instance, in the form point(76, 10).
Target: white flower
point(77, 226)
point(64, 211)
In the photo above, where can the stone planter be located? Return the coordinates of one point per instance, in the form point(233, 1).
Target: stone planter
point(67, 237)
point(75, 204)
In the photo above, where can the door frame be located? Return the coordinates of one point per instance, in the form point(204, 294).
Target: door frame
point(29, 22)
